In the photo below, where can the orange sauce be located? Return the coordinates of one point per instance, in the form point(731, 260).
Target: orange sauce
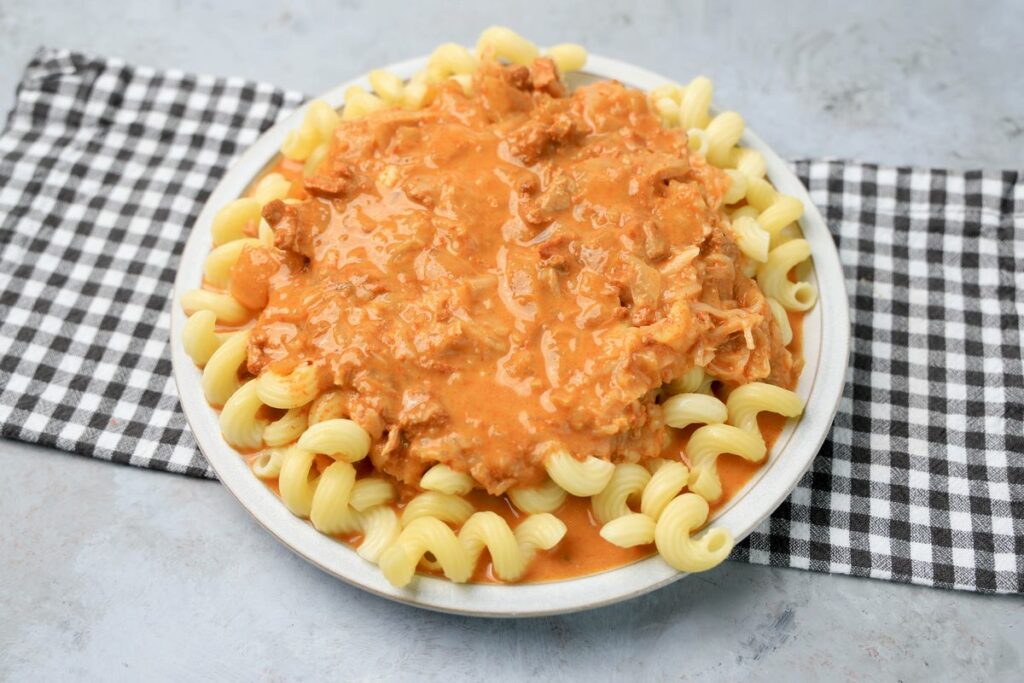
point(582, 551)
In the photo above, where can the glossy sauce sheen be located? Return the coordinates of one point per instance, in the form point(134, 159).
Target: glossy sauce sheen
point(505, 273)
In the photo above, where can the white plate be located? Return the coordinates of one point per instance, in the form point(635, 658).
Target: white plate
point(826, 346)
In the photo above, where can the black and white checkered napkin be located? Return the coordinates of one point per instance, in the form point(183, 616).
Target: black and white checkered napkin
point(104, 166)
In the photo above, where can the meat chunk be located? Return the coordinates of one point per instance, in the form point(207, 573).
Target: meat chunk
point(544, 77)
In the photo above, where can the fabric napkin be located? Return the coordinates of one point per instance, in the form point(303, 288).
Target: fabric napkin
point(104, 166)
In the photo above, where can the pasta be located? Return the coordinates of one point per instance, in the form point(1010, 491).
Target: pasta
point(200, 337)
point(387, 86)
point(506, 44)
point(317, 127)
point(220, 375)
point(773, 276)
point(547, 497)
point(387, 467)
point(231, 222)
point(224, 306)
point(444, 479)
point(579, 477)
point(782, 320)
point(709, 442)
point(693, 381)
point(751, 237)
point(286, 429)
point(745, 402)
point(222, 259)
point(267, 465)
point(673, 535)
point(626, 528)
point(683, 410)
point(723, 133)
point(627, 481)
point(238, 421)
point(293, 390)
point(370, 492)
point(273, 186)
point(510, 550)
point(336, 437)
point(325, 499)
point(568, 57)
point(444, 506)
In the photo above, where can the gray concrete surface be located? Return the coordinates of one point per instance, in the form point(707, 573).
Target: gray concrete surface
point(107, 572)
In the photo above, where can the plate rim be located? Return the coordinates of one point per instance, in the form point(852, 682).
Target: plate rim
point(801, 441)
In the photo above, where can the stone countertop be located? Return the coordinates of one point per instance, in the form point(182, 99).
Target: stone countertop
point(110, 572)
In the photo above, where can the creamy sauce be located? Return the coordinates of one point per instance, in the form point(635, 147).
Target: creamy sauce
point(501, 273)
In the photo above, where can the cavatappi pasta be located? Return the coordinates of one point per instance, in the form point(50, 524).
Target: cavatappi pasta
point(324, 439)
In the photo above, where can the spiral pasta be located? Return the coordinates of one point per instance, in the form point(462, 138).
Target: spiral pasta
point(506, 44)
point(683, 410)
point(709, 442)
point(326, 406)
point(578, 477)
point(220, 374)
point(449, 508)
point(326, 500)
point(695, 103)
point(224, 306)
point(267, 465)
point(568, 57)
point(723, 133)
point(238, 420)
point(510, 550)
point(217, 267)
point(666, 483)
point(752, 239)
point(627, 528)
point(748, 161)
point(628, 481)
point(232, 221)
point(782, 320)
point(359, 103)
point(449, 60)
point(200, 337)
point(783, 211)
point(317, 127)
point(547, 497)
point(693, 381)
point(674, 538)
point(272, 186)
point(370, 492)
point(773, 278)
point(444, 479)
point(746, 401)
point(293, 390)
point(737, 187)
point(387, 86)
point(287, 428)
point(338, 438)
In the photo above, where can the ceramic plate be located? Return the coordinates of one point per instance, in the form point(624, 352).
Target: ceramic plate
point(826, 346)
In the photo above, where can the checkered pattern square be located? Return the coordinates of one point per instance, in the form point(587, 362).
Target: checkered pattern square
point(104, 166)
point(922, 478)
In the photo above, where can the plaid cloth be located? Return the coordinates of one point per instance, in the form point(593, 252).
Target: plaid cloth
point(104, 166)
